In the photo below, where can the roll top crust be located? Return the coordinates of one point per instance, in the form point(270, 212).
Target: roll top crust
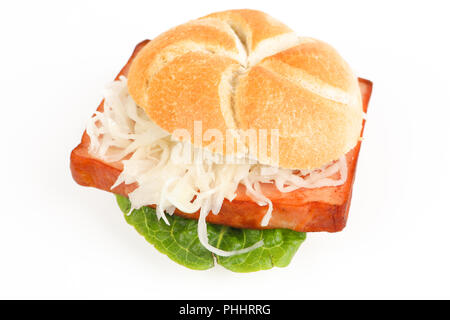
point(242, 69)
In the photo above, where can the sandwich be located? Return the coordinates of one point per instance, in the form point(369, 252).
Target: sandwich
point(226, 139)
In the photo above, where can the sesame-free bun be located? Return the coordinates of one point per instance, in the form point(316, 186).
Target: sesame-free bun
point(242, 69)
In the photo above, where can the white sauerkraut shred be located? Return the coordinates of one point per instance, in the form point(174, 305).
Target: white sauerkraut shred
point(124, 132)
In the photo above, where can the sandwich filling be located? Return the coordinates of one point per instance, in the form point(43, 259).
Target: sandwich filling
point(152, 159)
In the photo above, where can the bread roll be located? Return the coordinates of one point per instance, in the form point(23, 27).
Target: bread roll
point(242, 69)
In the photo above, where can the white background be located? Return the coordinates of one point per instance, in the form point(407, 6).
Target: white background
point(60, 240)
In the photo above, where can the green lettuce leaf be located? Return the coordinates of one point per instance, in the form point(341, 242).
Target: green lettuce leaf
point(179, 241)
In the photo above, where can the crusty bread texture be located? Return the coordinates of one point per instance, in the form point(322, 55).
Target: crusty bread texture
point(242, 69)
